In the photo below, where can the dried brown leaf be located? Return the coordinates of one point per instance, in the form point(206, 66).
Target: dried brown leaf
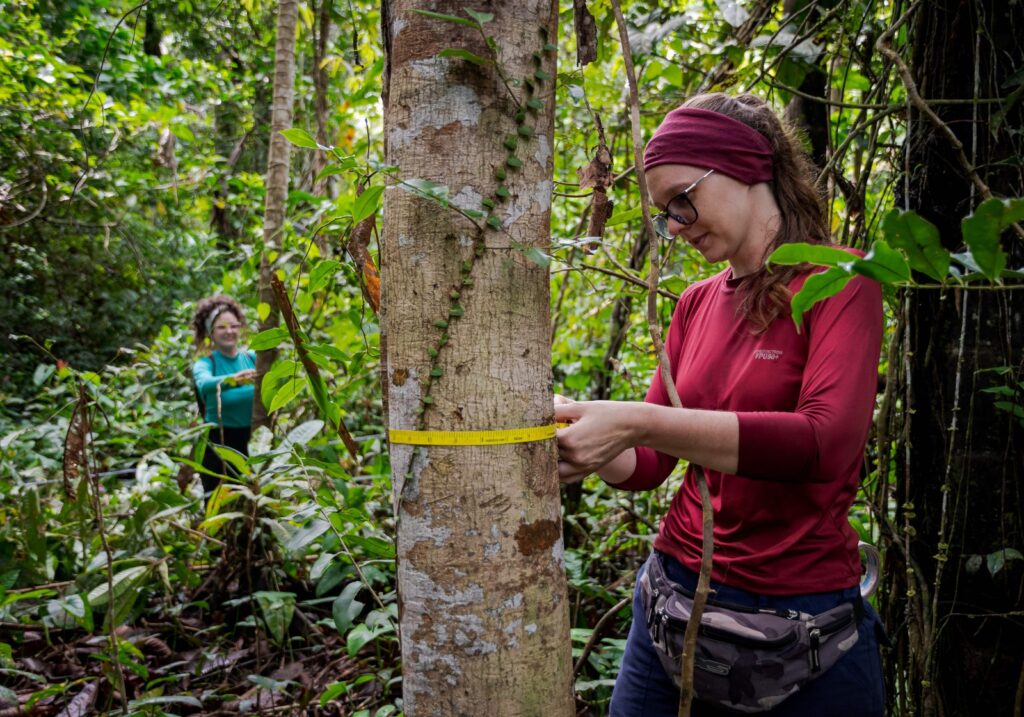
point(75, 443)
point(586, 33)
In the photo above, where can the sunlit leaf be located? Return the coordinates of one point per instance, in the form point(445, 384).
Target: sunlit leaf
point(818, 287)
point(300, 138)
point(367, 203)
point(268, 339)
point(322, 272)
point(883, 264)
point(799, 253)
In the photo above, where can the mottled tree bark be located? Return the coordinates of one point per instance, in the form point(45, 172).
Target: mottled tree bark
point(958, 486)
point(484, 614)
point(278, 159)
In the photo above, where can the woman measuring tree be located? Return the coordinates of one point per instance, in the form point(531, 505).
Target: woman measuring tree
point(777, 418)
point(223, 381)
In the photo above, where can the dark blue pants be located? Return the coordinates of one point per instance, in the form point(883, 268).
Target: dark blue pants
point(853, 686)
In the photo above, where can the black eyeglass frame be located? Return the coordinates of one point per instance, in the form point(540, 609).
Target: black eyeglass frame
point(660, 220)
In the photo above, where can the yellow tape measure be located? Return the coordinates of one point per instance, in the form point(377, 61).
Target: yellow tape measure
point(473, 438)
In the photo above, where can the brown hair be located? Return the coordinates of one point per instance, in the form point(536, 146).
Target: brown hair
point(765, 292)
point(206, 307)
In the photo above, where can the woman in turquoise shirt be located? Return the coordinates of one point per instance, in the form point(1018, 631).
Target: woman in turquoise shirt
point(223, 380)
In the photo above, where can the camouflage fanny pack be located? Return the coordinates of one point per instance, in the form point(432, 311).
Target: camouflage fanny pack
point(748, 659)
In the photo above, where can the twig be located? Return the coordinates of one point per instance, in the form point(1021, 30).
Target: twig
point(35, 212)
point(311, 368)
point(700, 598)
point(94, 489)
point(630, 279)
point(596, 633)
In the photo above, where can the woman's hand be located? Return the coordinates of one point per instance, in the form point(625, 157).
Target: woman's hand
point(244, 376)
point(599, 432)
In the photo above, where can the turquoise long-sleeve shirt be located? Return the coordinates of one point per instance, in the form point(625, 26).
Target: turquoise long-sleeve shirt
point(236, 401)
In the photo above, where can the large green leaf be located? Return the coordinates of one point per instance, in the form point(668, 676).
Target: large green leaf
point(919, 239)
point(799, 253)
point(323, 271)
point(883, 264)
point(304, 536)
point(817, 288)
point(367, 203)
point(346, 608)
point(231, 456)
point(289, 390)
point(122, 583)
point(981, 233)
point(268, 339)
point(300, 138)
point(277, 610)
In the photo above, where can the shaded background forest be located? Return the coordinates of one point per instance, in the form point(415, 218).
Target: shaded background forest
point(133, 157)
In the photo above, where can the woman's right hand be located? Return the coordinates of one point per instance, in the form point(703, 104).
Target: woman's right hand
point(598, 433)
point(244, 376)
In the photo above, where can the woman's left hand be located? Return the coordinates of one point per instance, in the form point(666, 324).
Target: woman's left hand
point(599, 432)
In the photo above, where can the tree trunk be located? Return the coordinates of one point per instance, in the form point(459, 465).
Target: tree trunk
point(465, 322)
point(278, 157)
point(958, 485)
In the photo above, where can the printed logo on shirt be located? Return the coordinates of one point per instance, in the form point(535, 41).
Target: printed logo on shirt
point(767, 354)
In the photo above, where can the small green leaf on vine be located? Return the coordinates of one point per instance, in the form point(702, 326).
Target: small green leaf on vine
point(494, 222)
point(481, 17)
point(502, 190)
point(510, 143)
point(520, 117)
point(441, 324)
point(432, 352)
point(525, 130)
point(514, 162)
point(428, 399)
point(455, 311)
point(446, 18)
point(489, 203)
point(467, 266)
point(464, 55)
point(541, 75)
point(436, 372)
point(535, 104)
point(467, 282)
point(443, 340)
point(548, 47)
point(500, 173)
point(454, 295)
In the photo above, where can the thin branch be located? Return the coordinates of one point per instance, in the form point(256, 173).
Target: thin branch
point(700, 598)
point(596, 633)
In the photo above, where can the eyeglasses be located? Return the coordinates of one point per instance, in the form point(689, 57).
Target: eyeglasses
point(680, 208)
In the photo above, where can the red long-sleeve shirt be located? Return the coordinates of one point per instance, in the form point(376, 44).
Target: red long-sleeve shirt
point(804, 403)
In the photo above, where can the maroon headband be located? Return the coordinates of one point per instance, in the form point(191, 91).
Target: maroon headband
point(703, 138)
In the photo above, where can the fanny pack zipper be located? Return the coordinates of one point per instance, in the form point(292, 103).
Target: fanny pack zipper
point(726, 636)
